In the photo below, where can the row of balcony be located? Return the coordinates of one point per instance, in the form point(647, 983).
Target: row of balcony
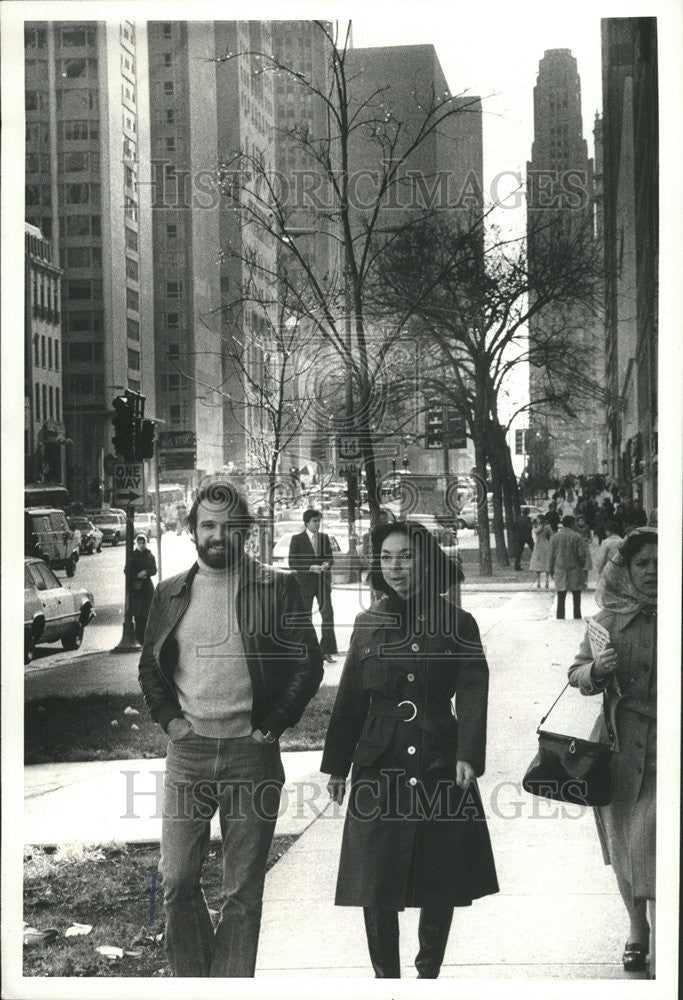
point(50, 315)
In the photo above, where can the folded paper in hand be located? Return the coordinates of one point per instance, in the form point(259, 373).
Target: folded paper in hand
point(597, 635)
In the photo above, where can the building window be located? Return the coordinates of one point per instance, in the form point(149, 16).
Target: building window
point(134, 384)
point(49, 353)
point(52, 404)
point(166, 30)
point(134, 359)
point(36, 348)
point(169, 88)
point(170, 116)
point(58, 413)
point(133, 329)
point(83, 290)
point(171, 231)
point(173, 352)
point(43, 352)
point(167, 58)
point(170, 142)
point(172, 321)
point(128, 178)
point(131, 209)
point(78, 256)
point(44, 401)
point(174, 289)
point(174, 413)
point(37, 401)
point(132, 269)
point(132, 300)
point(131, 239)
point(57, 357)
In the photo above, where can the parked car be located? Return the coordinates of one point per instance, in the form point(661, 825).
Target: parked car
point(90, 536)
point(147, 524)
point(47, 536)
point(51, 612)
point(112, 524)
point(467, 517)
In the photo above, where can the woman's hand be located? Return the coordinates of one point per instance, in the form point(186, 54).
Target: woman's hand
point(464, 773)
point(605, 663)
point(336, 786)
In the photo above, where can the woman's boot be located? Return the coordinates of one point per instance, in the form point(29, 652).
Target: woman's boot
point(381, 927)
point(433, 930)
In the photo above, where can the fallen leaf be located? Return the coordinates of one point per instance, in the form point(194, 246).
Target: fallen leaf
point(128, 710)
point(134, 726)
point(133, 954)
point(114, 724)
point(76, 930)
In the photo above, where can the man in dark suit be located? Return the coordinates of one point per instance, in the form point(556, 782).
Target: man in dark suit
point(310, 556)
point(522, 535)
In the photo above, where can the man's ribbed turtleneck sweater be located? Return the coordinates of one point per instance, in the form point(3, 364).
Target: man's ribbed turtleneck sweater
point(212, 677)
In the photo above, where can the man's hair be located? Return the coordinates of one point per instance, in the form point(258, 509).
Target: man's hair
point(612, 527)
point(221, 496)
point(568, 521)
point(440, 570)
point(311, 512)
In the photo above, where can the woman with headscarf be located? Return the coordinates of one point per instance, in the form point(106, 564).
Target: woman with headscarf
point(540, 556)
point(415, 834)
point(627, 670)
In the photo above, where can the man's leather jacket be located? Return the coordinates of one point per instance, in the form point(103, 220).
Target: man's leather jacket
point(280, 646)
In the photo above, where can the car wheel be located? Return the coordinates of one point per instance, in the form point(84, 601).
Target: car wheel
point(115, 540)
point(75, 637)
point(70, 566)
point(29, 647)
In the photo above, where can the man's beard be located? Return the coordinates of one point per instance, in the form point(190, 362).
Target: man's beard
point(227, 556)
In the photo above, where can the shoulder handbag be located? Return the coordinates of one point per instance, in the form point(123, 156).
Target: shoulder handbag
point(571, 769)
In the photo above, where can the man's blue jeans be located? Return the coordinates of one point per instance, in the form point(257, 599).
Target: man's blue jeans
point(243, 780)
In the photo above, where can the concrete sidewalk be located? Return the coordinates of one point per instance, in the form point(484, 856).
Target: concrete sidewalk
point(558, 914)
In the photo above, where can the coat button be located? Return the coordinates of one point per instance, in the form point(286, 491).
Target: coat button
point(412, 781)
point(415, 648)
point(411, 750)
point(411, 677)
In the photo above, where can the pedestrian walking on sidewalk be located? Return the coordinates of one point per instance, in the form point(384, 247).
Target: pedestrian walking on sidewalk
point(609, 547)
point(540, 556)
point(627, 595)
point(310, 556)
point(568, 565)
point(415, 833)
point(522, 535)
point(140, 569)
point(230, 661)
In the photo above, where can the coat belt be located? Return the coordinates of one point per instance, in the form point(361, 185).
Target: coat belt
point(408, 712)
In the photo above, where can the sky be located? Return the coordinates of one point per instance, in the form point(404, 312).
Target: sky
point(497, 58)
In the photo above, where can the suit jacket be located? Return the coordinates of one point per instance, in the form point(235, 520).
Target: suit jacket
point(302, 557)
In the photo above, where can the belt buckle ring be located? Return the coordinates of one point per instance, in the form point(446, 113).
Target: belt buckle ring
point(414, 707)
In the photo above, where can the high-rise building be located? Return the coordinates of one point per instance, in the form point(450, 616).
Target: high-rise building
point(205, 109)
point(560, 186)
point(87, 189)
point(44, 440)
point(443, 172)
point(631, 240)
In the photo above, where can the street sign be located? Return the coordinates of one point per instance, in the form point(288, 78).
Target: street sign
point(349, 447)
point(172, 440)
point(175, 460)
point(129, 483)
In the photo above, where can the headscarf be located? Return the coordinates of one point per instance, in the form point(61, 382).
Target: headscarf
point(615, 590)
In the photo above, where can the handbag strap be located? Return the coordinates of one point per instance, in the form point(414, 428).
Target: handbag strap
point(609, 710)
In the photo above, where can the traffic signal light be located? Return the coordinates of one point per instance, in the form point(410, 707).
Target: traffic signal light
point(434, 427)
point(124, 427)
point(145, 440)
point(457, 429)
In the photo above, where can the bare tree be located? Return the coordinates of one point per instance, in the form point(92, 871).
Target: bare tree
point(335, 298)
point(475, 293)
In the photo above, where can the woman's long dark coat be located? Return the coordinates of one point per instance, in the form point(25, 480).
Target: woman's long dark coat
point(411, 836)
point(143, 590)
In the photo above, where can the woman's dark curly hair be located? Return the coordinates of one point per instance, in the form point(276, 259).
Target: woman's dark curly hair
point(634, 542)
point(440, 570)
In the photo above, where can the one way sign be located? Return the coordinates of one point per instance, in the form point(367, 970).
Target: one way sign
point(129, 484)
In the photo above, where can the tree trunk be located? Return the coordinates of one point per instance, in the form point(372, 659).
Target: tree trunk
point(498, 529)
point(485, 567)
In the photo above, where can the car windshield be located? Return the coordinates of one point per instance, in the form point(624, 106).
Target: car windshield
point(100, 519)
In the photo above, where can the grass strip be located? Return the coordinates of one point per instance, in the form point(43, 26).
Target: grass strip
point(96, 727)
point(110, 887)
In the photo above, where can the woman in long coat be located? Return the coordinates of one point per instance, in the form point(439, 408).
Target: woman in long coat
point(627, 670)
point(540, 557)
point(415, 833)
